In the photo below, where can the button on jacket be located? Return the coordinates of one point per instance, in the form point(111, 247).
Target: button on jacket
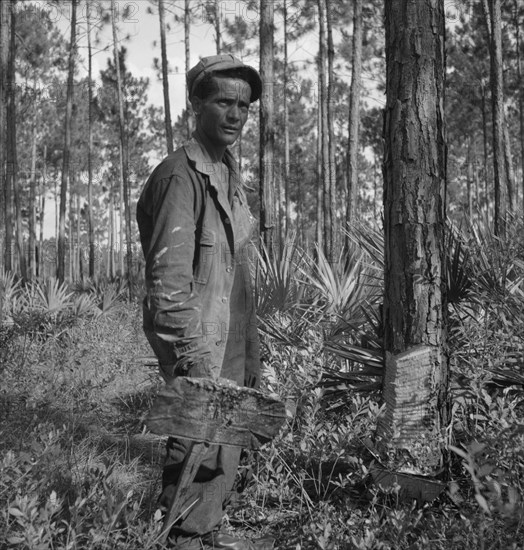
point(195, 229)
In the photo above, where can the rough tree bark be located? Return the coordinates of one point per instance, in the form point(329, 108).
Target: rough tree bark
point(267, 125)
point(412, 428)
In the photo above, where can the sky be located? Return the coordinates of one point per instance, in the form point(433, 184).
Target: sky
point(143, 45)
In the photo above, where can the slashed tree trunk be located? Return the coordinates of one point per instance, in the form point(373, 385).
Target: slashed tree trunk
point(64, 186)
point(354, 113)
point(411, 430)
point(165, 78)
point(267, 124)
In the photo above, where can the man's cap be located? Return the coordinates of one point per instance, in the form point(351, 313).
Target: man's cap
point(224, 62)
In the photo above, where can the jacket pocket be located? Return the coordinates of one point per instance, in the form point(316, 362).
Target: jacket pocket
point(205, 257)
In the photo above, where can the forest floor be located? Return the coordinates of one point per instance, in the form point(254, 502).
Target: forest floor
point(78, 470)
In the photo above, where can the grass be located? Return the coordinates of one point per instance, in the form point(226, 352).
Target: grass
point(78, 471)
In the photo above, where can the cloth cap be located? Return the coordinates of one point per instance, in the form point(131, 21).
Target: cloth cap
point(223, 62)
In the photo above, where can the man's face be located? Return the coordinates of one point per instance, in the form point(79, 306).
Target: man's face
point(223, 113)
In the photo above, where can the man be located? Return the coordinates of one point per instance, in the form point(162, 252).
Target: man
point(199, 316)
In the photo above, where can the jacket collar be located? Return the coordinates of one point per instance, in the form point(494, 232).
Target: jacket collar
point(199, 157)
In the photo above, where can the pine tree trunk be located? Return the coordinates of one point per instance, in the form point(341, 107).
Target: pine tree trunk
point(165, 79)
point(12, 157)
point(332, 195)
point(520, 84)
point(41, 254)
point(32, 199)
point(354, 113)
point(267, 130)
point(485, 148)
point(125, 152)
point(187, 22)
point(67, 148)
point(324, 132)
point(5, 194)
point(217, 26)
point(319, 186)
point(121, 207)
point(287, 200)
point(415, 384)
point(90, 119)
point(493, 22)
point(469, 178)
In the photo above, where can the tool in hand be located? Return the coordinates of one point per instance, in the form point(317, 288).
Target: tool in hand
point(209, 412)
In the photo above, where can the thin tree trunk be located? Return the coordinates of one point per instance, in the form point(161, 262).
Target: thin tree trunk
point(43, 181)
point(287, 200)
point(508, 165)
point(89, 211)
point(187, 23)
point(70, 231)
point(415, 384)
point(121, 214)
point(319, 186)
point(469, 178)
point(217, 26)
point(324, 131)
point(123, 144)
point(67, 147)
point(32, 198)
point(492, 13)
point(331, 136)
point(486, 153)
point(12, 159)
point(165, 79)
point(267, 130)
point(520, 84)
point(78, 251)
point(5, 193)
point(354, 113)
point(110, 269)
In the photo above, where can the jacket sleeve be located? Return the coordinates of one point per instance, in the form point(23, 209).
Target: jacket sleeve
point(173, 304)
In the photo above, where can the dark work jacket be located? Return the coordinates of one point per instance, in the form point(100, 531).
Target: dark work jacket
point(195, 230)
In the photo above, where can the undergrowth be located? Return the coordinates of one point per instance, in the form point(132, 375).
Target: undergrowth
point(79, 471)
